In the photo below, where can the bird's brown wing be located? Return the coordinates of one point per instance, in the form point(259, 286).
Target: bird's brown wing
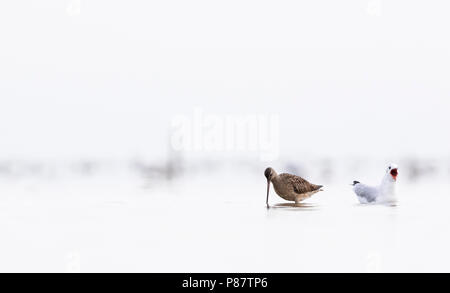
point(299, 184)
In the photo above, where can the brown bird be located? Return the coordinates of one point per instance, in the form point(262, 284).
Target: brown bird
point(290, 187)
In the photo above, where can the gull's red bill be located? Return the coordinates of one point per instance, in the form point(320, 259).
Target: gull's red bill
point(394, 173)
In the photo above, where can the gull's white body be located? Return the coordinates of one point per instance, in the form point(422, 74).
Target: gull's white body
point(383, 193)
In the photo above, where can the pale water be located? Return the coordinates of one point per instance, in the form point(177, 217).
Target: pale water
point(214, 224)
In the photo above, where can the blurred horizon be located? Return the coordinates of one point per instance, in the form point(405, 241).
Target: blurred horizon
point(325, 170)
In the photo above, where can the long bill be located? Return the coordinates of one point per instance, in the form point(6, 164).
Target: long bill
point(268, 188)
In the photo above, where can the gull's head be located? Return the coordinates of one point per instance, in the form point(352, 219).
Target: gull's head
point(392, 171)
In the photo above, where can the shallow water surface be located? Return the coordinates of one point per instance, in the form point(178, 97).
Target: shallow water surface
point(203, 225)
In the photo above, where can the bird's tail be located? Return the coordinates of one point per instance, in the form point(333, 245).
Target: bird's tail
point(317, 187)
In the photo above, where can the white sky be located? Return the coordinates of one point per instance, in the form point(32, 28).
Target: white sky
point(105, 78)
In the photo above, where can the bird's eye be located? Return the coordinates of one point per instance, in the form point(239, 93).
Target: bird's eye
point(389, 168)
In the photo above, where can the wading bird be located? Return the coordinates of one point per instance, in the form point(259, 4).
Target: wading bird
point(290, 187)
